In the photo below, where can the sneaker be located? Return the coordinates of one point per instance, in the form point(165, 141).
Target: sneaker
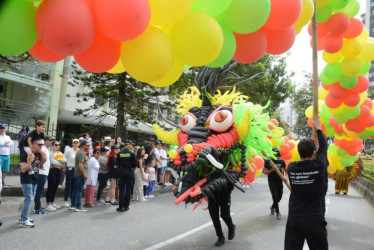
point(272, 210)
point(146, 197)
point(40, 211)
point(72, 208)
point(100, 201)
point(220, 242)
point(278, 216)
point(20, 220)
point(151, 196)
point(55, 205)
point(50, 208)
point(143, 199)
point(114, 203)
point(5, 186)
point(66, 204)
point(27, 224)
point(126, 209)
point(232, 232)
point(120, 209)
point(80, 209)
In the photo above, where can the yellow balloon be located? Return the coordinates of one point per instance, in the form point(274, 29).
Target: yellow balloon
point(321, 3)
point(168, 11)
point(363, 36)
point(372, 111)
point(306, 13)
point(309, 112)
point(149, 57)
point(370, 128)
point(337, 110)
point(278, 131)
point(258, 173)
point(118, 68)
point(274, 142)
point(367, 52)
point(322, 93)
point(172, 76)
point(350, 67)
point(351, 48)
point(188, 148)
point(298, 30)
point(197, 39)
point(173, 153)
point(332, 57)
point(363, 97)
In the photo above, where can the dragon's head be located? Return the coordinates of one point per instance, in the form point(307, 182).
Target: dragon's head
point(218, 143)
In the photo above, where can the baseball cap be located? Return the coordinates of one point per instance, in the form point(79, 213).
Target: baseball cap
point(129, 142)
point(151, 139)
point(85, 143)
point(48, 138)
point(107, 138)
point(2, 126)
point(81, 138)
point(104, 149)
point(114, 147)
point(157, 142)
point(75, 140)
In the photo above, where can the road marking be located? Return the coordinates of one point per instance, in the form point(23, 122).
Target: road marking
point(181, 236)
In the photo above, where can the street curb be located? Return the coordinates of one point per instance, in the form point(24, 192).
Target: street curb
point(365, 188)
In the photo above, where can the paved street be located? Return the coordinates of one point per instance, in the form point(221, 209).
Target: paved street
point(159, 224)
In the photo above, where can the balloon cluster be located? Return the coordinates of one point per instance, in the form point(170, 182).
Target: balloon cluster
point(151, 39)
point(278, 131)
point(288, 150)
point(346, 113)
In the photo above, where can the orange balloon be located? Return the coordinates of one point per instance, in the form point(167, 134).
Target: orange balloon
point(101, 56)
point(280, 41)
point(283, 14)
point(338, 23)
point(354, 30)
point(42, 53)
point(250, 47)
point(332, 43)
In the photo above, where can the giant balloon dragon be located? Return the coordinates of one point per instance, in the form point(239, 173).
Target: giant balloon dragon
point(221, 137)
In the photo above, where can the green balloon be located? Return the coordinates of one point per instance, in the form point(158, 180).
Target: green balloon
point(211, 7)
point(346, 162)
point(17, 26)
point(351, 113)
point(228, 49)
point(325, 80)
point(348, 82)
point(323, 14)
point(365, 67)
point(338, 4)
point(333, 71)
point(246, 16)
point(340, 118)
point(351, 10)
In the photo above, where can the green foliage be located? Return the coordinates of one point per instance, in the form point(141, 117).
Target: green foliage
point(121, 95)
point(301, 100)
point(368, 170)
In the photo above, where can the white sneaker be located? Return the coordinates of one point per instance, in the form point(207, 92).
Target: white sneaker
point(146, 197)
point(143, 199)
point(66, 204)
point(80, 209)
point(27, 224)
point(151, 196)
point(20, 221)
point(72, 208)
point(170, 184)
point(55, 205)
point(50, 208)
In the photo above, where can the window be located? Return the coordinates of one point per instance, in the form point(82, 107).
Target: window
point(113, 103)
point(99, 100)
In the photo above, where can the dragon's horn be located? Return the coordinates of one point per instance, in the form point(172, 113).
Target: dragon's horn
point(169, 137)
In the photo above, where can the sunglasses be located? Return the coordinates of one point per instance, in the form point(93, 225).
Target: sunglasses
point(56, 145)
point(40, 145)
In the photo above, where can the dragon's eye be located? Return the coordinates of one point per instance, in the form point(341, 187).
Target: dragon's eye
point(220, 120)
point(188, 122)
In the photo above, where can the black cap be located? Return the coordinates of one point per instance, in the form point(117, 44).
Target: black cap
point(129, 142)
point(151, 139)
point(158, 142)
point(114, 147)
point(48, 138)
point(104, 149)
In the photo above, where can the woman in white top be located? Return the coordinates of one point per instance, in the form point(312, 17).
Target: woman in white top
point(139, 176)
point(70, 164)
point(58, 161)
point(93, 172)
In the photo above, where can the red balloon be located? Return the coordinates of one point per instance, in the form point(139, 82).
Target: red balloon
point(284, 148)
point(250, 47)
point(259, 162)
point(331, 102)
point(310, 122)
point(332, 43)
point(338, 23)
point(352, 99)
point(319, 43)
point(325, 86)
point(66, 27)
point(368, 103)
point(355, 28)
point(274, 121)
point(283, 14)
point(337, 91)
point(364, 112)
point(332, 122)
point(286, 139)
point(280, 41)
point(42, 53)
point(352, 151)
point(369, 122)
point(361, 86)
point(122, 20)
point(291, 144)
point(101, 56)
point(322, 29)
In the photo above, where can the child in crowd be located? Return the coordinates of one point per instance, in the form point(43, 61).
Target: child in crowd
point(37, 133)
point(152, 178)
point(146, 181)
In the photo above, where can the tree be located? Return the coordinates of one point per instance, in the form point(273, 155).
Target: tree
point(301, 100)
point(130, 100)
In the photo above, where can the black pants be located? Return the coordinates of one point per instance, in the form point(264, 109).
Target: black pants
point(312, 229)
point(125, 185)
point(223, 201)
point(54, 177)
point(103, 180)
point(276, 190)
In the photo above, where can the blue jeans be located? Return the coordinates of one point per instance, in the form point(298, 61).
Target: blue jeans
point(39, 190)
point(28, 192)
point(4, 163)
point(77, 193)
point(69, 184)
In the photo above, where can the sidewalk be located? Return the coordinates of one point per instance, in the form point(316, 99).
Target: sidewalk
point(14, 188)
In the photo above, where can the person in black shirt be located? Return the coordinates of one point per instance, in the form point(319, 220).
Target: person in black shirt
point(275, 182)
point(126, 162)
point(29, 170)
point(306, 216)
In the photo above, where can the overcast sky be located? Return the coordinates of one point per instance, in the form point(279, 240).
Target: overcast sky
point(301, 52)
